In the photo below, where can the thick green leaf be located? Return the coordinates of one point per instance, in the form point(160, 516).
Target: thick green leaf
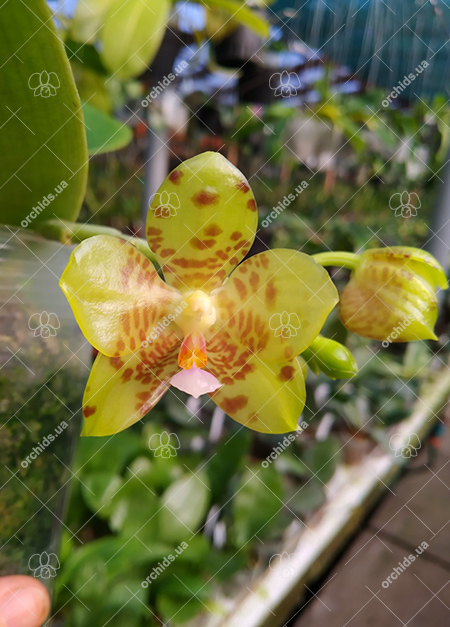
point(228, 458)
point(104, 133)
point(41, 122)
point(132, 34)
point(106, 454)
point(258, 500)
point(242, 14)
point(134, 510)
point(185, 504)
point(98, 489)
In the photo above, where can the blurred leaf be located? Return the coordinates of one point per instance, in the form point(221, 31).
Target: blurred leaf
point(41, 122)
point(135, 511)
point(307, 499)
point(177, 609)
point(104, 133)
point(257, 502)
point(106, 454)
point(288, 462)
point(182, 597)
point(322, 458)
point(98, 489)
point(185, 504)
point(132, 34)
point(227, 459)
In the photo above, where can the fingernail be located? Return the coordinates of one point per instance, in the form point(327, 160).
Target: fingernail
point(24, 607)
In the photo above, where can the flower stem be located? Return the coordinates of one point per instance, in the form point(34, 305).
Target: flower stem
point(74, 233)
point(338, 259)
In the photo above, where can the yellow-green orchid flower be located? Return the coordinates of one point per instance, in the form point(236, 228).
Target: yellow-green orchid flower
point(236, 338)
point(391, 295)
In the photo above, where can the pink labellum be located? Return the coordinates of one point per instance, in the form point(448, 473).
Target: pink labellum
point(195, 381)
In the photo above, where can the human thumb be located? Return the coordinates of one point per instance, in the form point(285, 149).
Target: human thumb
point(24, 602)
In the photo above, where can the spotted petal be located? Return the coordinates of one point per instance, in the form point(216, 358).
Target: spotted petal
point(116, 294)
point(276, 303)
point(121, 390)
point(265, 397)
point(212, 228)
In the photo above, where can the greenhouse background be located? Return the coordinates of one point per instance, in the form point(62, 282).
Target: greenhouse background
point(336, 115)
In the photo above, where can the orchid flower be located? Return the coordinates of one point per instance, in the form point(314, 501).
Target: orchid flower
point(215, 325)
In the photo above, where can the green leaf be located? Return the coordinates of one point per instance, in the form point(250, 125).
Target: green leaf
point(41, 121)
point(98, 489)
point(228, 458)
point(322, 457)
point(308, 498)
point(132, 34)
point(258, 500)
point(106, 454)
point(104, 133)
point(135, 511)
point(242, 14)
point(185, 504)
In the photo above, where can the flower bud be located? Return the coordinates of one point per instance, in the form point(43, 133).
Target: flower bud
point(331, 358)
point(391, 295)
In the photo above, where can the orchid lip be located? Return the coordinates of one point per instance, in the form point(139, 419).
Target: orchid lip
point(195, 381)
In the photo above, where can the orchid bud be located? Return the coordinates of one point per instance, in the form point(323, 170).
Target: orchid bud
point(331, 358)
point(391, 295)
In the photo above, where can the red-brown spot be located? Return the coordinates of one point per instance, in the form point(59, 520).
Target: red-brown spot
point(205, 197)
point(153, 231)
point(240, 287)
point(251, 204)
point(234, 404)
point(168, 252)
point(121, 345)
point(175, 176)
point(125, 320)
point(213, 230)
point(201, 244)
point(126, 271)
point(254, 281)
point(236, 235)
point(222, 255)
point(243, 186)
point(89, 410)
point(264, 261)
point(286, 373)
point(271, 293)
point(240, 244)
point(127, 374)
point(144, 396)
point(132, 343)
